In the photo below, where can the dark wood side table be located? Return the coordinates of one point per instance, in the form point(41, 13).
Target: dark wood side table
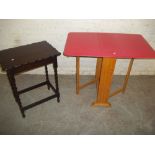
point(25, 58)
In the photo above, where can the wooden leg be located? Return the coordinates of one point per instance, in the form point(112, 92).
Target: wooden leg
point(98, 71)
point(47, 79)
point(107, 69)
point(77, 75)
point(12, 82)
point(55, 66)
point(123, 88)
point(97, 77)
point(127, 75)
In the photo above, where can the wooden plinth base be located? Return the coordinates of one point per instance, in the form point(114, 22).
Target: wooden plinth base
point(106, 104)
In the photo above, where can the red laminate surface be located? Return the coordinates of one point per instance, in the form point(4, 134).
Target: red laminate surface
point(115, 45)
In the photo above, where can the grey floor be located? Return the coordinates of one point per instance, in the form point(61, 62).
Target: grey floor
point(131, 113)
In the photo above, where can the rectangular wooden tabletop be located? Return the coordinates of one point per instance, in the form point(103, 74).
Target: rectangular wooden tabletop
point(25, 54)
point(110, 45)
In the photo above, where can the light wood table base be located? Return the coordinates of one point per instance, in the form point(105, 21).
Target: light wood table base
point(123, 88)
point(103, 79)
point(78, 85)
point(106, 74)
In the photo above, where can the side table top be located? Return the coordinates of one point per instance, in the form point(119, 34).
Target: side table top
point(14, 57)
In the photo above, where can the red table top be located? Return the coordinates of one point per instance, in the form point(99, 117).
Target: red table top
point(112, 45)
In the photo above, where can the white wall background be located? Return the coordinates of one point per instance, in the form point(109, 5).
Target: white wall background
point(19, 32)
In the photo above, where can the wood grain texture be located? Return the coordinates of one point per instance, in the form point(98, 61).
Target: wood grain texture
point(98, 70)
point(107, 69)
